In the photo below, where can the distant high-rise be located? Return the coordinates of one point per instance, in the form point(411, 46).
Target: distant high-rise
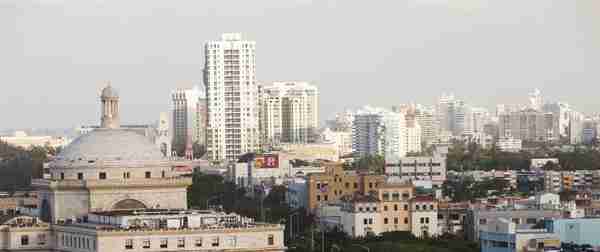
point(536, 101)
point(369, 132)
point(163, 135)
point(425, 118)
point(443, 119)
point(289, 112)
point(189, 117)
point(232, 92)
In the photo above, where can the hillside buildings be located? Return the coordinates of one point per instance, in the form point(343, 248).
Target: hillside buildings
point(232, 97)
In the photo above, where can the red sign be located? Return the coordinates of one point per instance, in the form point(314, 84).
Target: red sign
point(268, 161)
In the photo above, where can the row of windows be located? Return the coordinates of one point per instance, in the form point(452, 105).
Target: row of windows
point(424, 207)
point(386, 221)
point(103, 175)
point(198, 242)
point(385, 208)
point(78, 242)
point(517, 221)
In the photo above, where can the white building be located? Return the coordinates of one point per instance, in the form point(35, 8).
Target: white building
point(509, 144)
point(21, 139)
point(232, 95)
point(289, 112)
point(395, 134)
point(425, 118)
point(342, 140)
point(189, 116)
point(163, 137)
point(413, 136)
point(419, 169)
point(424, 217)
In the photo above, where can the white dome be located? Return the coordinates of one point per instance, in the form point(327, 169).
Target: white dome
point(109, 92)
point(110, 145)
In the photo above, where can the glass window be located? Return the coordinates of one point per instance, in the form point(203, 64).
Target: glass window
point(395, 207)
point(102, 175)
point(385, 208)
point(215, 242)
point(129, 244)
point(41, 238)
point(146, 244)
point(365, 221)
point(181, 243)
point(385, 220)
point(24, 240)
point(396, 220)
point(198, 242)
point(271, 240)
point(80, 176)
point(405, 220)
point(148, 174)
point(164, 243)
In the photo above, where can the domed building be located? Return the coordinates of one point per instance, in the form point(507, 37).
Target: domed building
point(113, 190)
point(110, 169)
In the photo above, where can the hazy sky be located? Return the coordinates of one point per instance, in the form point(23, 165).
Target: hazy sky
point(55, 54)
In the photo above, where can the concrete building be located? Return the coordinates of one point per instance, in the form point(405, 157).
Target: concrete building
point(112, 190)
point(395, 199)
point(451, 217)
point(503, 235)
point(579, 231)
point(413, 135)
point(443, 117)
point(369, 132)
point(335, 182)
point(232, 97)
point(509, 144)
point(483, 219)
point(424, 216)
point(289, 112)
point(189, 115)
point(163, 136)
point(526, 125)
point(423, 168)
point(425, 117)
point(342, 140)
point(560, 112)
point(360, 215)
point(396, 132)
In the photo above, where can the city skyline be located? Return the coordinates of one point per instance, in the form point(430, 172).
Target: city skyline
point(45, 67)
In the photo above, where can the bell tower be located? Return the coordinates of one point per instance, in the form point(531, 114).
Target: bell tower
point(110, 108)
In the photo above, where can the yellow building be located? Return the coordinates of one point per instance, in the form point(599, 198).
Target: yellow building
point(336, 182)
point(395, 203)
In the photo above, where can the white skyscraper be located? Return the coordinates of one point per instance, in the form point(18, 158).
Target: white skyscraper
point(369, 133)
point(536, 101)
point(443, 118)
point(232, 97)
point(289, 112)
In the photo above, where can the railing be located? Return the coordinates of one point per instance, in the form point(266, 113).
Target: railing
point(253, 227)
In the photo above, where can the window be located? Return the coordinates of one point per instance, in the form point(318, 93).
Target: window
point(80, 176)
point(215, 242)
point(102, 175)
point(148, 174)
point(370, 185)
point(355, 185)
point(326, 198)
point(198, 242)
point(482, 221)
point(41, 238)
point(386, 196)
point(385, 208)
point(163, 174)
point(318, 197)
point(318, 185)
point(146, 244)
point(405, 220)
point(271, 240)
point(360, 209)
point(370, 221)
point(164, 243)
point(24, 240)
point(395, 207)
point(422, 220)
point(405, 207)
point(62, 176)
point(427, 220)
point(181, 243)
point(126, 175)
point(430, 207)
point(385, 220)
point(516, 221)
point(396, 220)
point(417, 207)
point(365, 221)
point(129, 244)
point(440, 216)
point(531, 220)
point(347, 185)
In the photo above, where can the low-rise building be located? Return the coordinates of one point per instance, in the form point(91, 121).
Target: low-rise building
point(361, 215)
point(395, 202)
point(451, 217)
point(579, 231)
point(509, 144)
point(478, 219)
point(424, 216)
point(503, 235)
point(335, 182)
